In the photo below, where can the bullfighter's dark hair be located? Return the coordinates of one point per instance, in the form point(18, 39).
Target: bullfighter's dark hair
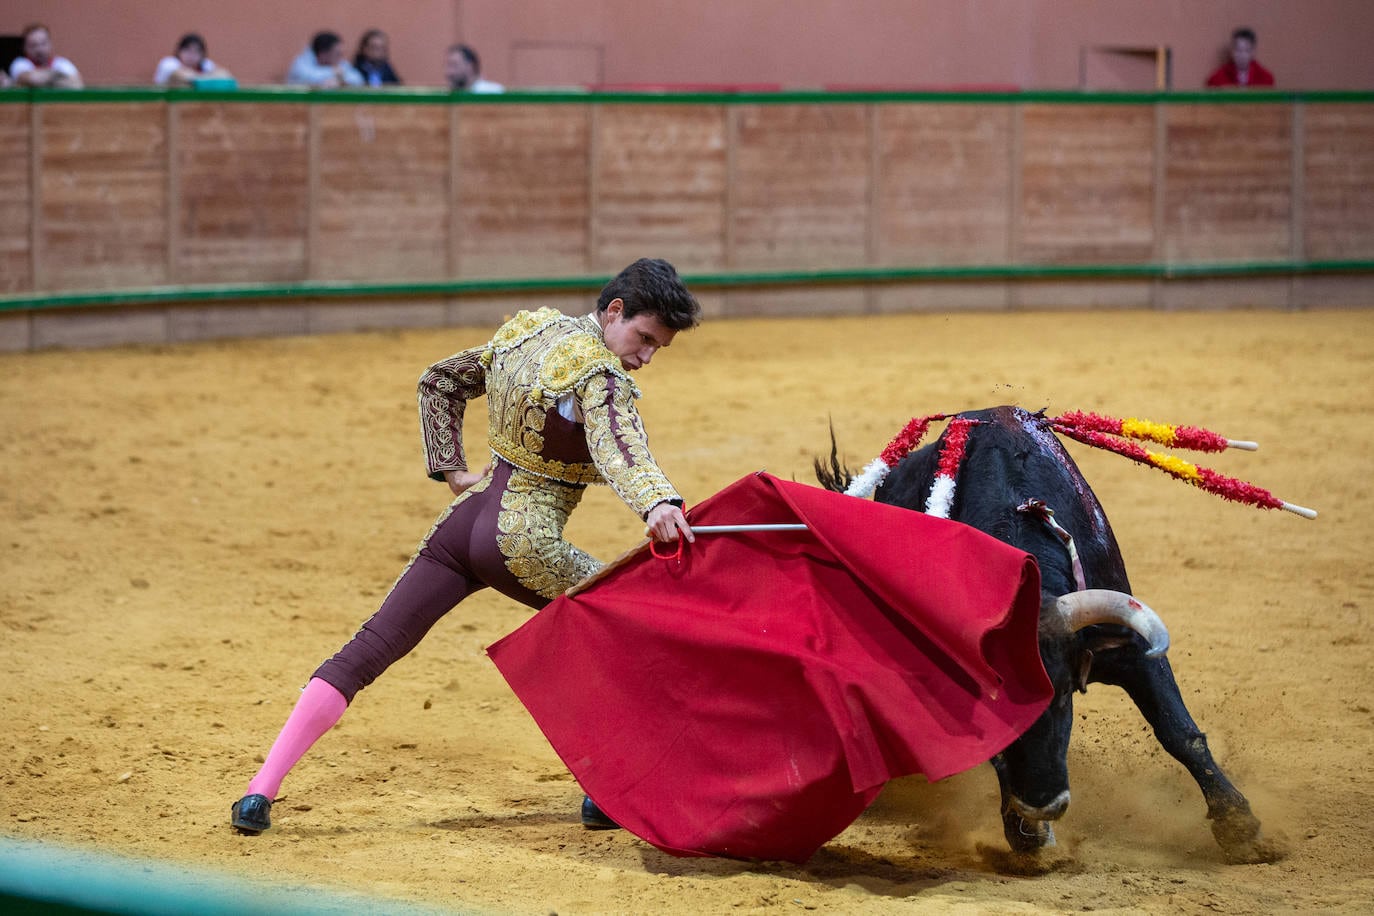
point(652, 285)
point(1245, 32)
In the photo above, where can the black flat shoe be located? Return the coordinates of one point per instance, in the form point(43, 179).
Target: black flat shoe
point(593, 818)
point(251, 814)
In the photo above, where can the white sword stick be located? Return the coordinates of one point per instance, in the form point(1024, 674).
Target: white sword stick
point(730, 529)
point(1243, 445)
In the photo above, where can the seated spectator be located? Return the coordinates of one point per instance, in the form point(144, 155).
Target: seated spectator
point(322, 65)
point(373, 59)
point(188, 65)
point(1242, 69)
point(463, 68)
point(38, 66)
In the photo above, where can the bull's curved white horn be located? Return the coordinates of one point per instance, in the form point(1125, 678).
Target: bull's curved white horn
point(1103, 605)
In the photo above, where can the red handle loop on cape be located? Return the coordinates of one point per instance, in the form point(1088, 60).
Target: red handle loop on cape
point(675, 555)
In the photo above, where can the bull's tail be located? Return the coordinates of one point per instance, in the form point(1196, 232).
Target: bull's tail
point(833, 476)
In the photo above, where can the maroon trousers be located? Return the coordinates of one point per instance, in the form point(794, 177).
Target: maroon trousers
point(459, 557)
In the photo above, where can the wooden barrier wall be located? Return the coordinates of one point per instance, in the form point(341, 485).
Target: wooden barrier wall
point(171, 191)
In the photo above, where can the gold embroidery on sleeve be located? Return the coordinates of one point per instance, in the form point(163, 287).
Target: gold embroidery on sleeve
point(443, 392)
point(619, 447)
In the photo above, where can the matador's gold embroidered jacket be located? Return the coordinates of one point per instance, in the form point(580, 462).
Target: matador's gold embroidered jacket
point(559, 404)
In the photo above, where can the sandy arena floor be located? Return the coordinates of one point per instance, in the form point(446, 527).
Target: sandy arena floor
point(185, 532)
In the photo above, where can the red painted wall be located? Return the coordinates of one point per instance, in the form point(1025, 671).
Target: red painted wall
point(1313, 44)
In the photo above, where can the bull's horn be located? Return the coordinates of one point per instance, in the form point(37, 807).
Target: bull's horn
point(1102, 605)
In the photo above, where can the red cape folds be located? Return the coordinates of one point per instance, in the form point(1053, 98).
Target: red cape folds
point(751, 699)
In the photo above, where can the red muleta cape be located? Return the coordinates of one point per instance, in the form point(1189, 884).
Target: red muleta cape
point(751, 699)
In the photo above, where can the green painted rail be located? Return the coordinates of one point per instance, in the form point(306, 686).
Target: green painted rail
point(434, 96)
point(237, 292)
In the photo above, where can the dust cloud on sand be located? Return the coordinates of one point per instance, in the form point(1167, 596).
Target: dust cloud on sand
point(185, 532)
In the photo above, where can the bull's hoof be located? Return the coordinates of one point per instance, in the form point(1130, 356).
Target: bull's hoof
point(1026, 836)
point(1238, 835)
point(1027, 864)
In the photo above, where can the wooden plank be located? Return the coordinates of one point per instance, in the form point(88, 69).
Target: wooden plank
point(834, 299)
point(1087, 184)
point(1160, 176)
point(595, 206)
point(1338, 182)
point(1334, 291)
point(213, 322)
point(731, 183)
point(801, 186)
point(873, 122)
point(16, 199)
point(16, 332)
point(944, 185)
point(659, 185)
point(1228, 193)
point(36, 196)
point(373, 314)
point(242, 179)
point(1017, 120)
point(173, 243)
point(312, 192)
point(1221, 293)
point(453, 263)
point(104, 195)
point(80, 329)
point(488, 312)
point(382, 212)
point(962, 296)
point(1085, 295)
point(523, 182)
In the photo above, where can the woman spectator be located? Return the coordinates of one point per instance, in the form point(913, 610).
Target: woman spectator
point(188, 64)
point(373, 61)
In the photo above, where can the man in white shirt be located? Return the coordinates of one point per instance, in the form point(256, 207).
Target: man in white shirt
point(463, 68)
point(38, 66)
point(323, 66)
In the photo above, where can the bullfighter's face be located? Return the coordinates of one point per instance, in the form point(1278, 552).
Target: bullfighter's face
point(635, 340)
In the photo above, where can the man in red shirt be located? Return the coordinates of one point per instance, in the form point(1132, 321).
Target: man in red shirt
point(1242, 69)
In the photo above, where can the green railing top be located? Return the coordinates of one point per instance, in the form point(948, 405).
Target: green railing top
point(435, 96)
point(318, 289)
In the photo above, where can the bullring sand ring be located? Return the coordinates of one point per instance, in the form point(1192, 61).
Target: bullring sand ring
point(186, 531)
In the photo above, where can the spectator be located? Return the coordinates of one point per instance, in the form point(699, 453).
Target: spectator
point(1242, 69)
point(188, 64)
point(322, 65)
point(463, 68)
point(38, 66)
point(373, 60)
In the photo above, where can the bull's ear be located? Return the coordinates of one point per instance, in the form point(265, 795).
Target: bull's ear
point(1085, 667)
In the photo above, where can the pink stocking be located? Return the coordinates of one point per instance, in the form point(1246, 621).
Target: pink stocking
point(319, 707)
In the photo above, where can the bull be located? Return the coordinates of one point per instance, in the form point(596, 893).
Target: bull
point(1092, 631)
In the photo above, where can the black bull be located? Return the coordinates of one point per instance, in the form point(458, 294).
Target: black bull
point(1012, 458)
